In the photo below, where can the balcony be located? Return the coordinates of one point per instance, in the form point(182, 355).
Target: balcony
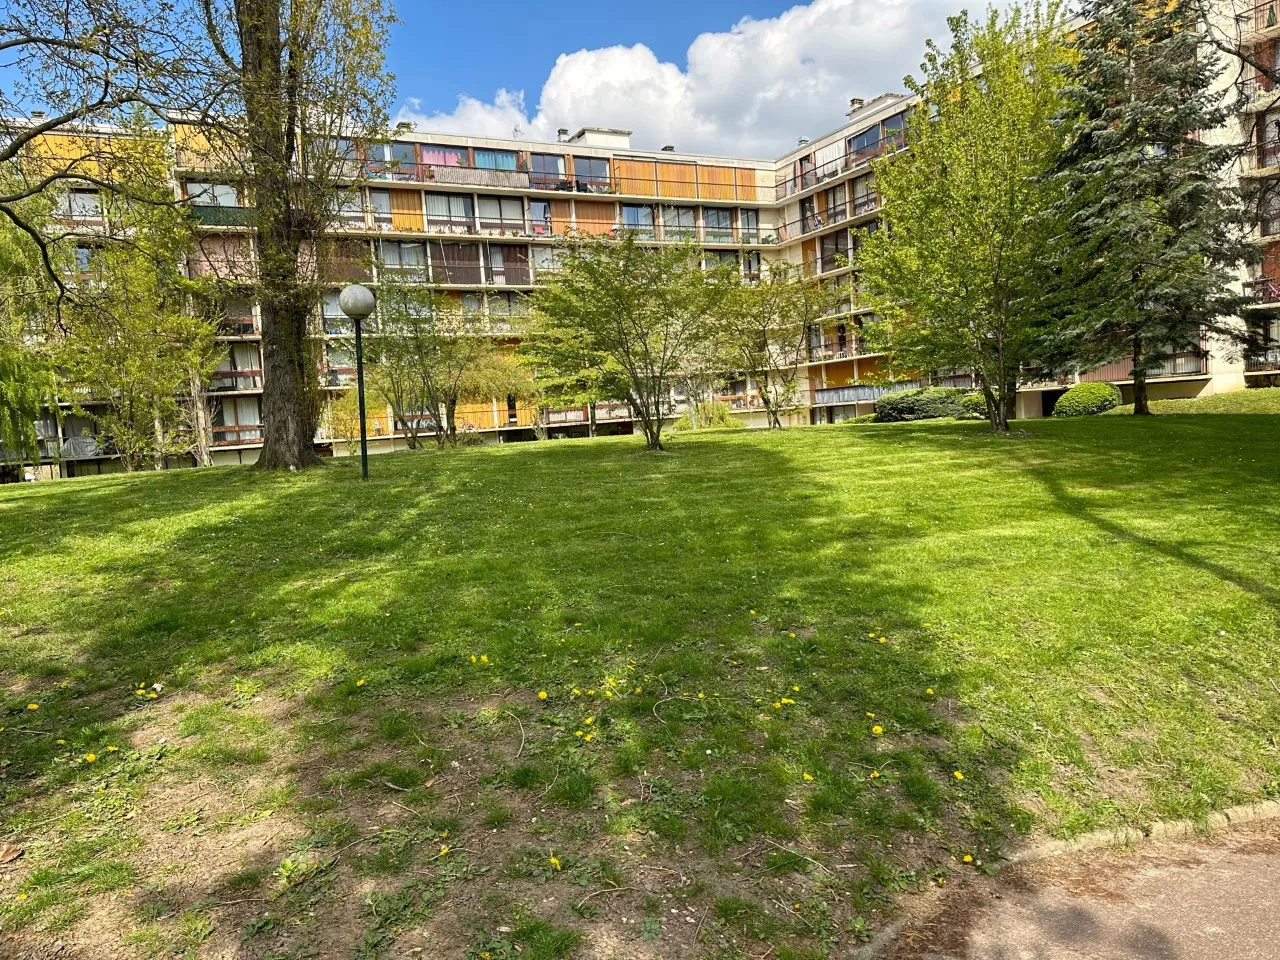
point(237, 327)
point(1186, 363)
point(845, 349)
point(1263, 359)
point(81, 448)
point(1260, 21)
point(227, 381)
point(859, 393)
point(512, 275)
point(741, 401)
point(1261, 159)
point(1264, 291)
point(345, 270)
point(612, 411)
point(215, 216)
point(852, 160)
point(237, 434)
point(556, 418)
point(448, 174)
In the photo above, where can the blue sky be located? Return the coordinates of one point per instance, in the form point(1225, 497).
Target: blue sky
point(745, 78)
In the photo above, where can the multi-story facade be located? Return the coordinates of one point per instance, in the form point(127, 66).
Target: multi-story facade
point(477, 218)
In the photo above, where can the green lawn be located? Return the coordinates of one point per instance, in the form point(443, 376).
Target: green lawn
point(790, 677)
point(1258, 400)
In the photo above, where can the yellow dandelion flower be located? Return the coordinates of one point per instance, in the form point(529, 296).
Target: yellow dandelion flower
point(786, 701)
point(871, 636)
point(22, 896)
point(33, 706)
point(554, 861)
point(588, 737)
point(542, 694)
point(589, 721)
point(591, 693)
point(752, 612)
point(884, 640)
point(639, 690)
point(152, 696)
point(90, 757)
point(807, 776)
point(791, 635)
point(794, 688)
point(360, 683)
point(608, 693)
point(871, 715)
point(958, 775)
point(484, 658)
point(577, 733)
point(701, 695)
point(577, 692)
point(112, 749)
point(877, 730)
point(777, 704)
point(60, 742)
point(928, 691)
point(875, 774)
point(968, 858)
point(473, 658)
point(444, 849)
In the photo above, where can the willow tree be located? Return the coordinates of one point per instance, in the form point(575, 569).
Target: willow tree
point(956, 275)
point(648, 310)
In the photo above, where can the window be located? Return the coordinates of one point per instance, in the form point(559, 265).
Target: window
point(340, 365)
point(502, 213)
point(751, 264)
point(718, 223)
point(834, 202)
point(895, 131)
point(449, 213)
point(471, 304)
point(406, 257)
point(865, 145)
point(540, 218)
point(403, 155)
point(834, 251)
point(236, 420)
point(334, 320)
point(84, 258)
point(679, 223)
point(508, 264)
point(440, 156)
point(749, 225)
point(638, 220)
point(496, 159)
point(507, 305)
point(543, 258)
point(456, 262)
point(546, 170)
point(350, 209)
point(211, 194)
point(865, 198)
point(380, 202)
point(591, 174)
point(714, 258)
point(809, 218)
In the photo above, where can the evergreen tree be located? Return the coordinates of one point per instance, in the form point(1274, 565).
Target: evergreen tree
point(1152, 234)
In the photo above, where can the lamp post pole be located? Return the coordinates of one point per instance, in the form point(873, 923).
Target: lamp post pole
point(357, 302)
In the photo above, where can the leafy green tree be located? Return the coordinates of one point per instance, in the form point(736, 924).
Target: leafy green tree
point(566, 368)
point(765, 331)
point(646, 309)
point(955, 277)
point(1154, 233)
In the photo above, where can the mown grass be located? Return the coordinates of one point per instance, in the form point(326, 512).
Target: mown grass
point(804, 672)
point(1265, 400)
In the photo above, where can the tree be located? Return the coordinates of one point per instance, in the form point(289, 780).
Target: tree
point(765, 331)
point(1153, 234)
point(278, 97)
point(137, 351)
point(955, 275)
point(646, 309)
point(566, 369)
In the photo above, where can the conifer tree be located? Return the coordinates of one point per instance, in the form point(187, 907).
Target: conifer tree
point(1153, 233)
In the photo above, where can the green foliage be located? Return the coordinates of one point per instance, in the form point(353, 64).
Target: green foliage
point(956, 274)
point(927, 403)
point(973, 406)
point(1155, 232)
point(648, 310)
point(1086, 400)
point(707, 415)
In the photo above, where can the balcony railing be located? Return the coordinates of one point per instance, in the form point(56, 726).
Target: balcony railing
point(852, 160)
point(859, 393)
point(1187, 363)
point(228, 380)
point(862, 206)
point(80, 448)
point(237, 434)
point(571, 415)
point(1261, 156)
point(1263, 290)
point(1259, 19)
point(1262, 359)
point(741, 401)
point(237, 327)
point(217, 216)
point(837, 349)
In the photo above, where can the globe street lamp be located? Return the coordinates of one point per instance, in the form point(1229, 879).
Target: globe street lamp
point(356, 301)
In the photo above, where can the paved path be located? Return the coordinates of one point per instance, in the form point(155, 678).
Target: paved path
point(1210, 899)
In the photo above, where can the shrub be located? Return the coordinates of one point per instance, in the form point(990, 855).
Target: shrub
point(928, 403)
point(864, 418)
point(974, 406)
point(1087, 399)
point(711, 416)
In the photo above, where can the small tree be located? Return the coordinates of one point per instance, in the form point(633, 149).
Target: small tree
point(765, 331)
point(955, 276)
point(1153, 233)
point(565, 368)
point(645, 309)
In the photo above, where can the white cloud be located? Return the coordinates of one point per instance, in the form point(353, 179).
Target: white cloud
point(750, 91)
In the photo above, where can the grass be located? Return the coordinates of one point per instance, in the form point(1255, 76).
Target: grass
point(789, 677)
point(1265, 400)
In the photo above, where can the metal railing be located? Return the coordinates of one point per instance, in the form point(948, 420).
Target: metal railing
point(1262, 359)
point(210, 215)
point(1264, 290)
point(859, 393)
point(1186, 363)
point(861, 207)
point(237, 434)
point(1259, 19)
point(224, 381)
point(1261, 156)
point(237, 327)
point(851, 160)
point(850, 347)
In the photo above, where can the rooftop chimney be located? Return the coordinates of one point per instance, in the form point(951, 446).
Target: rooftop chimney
point(37, 114)
point(669, 148)
point(562, 135)
point(802, 141)
point(855, 104)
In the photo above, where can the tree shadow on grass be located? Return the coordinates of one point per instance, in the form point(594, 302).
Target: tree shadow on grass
point(560, 567)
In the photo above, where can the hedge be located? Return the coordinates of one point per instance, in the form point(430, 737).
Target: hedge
point(1086, 400)
point(928, 403)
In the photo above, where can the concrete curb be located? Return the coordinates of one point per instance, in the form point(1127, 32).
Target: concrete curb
point(1099, 840)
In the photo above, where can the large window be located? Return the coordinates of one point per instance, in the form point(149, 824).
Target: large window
point(638, 219)
point(834, 251)
point(496, 159)
point(546, 170)
point(350, 208)
point(540, 218)
point(507, 305)
point(591, 174)
point(865, 145)
point(441, 156)
point(508, 264)
point(456, 262)
point(833, 200)
point(380, 203)
point(450, 213)
point(895, 131)
point(865, 198)
point(236, 420)
point(749, 225)
point(543, 258)
point(718, 222)
point(210, 194)
point(751, 264)
point(679, 223)
point(503, 214)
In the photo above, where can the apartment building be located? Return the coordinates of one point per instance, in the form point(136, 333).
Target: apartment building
point(478, 216)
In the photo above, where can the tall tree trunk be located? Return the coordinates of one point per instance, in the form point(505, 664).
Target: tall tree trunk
point(159, 455)
point(1140, 405)
point(201, 431)
point(451, 419)
point(591, 419)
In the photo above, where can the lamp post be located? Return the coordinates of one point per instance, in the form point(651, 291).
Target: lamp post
point(356, 301)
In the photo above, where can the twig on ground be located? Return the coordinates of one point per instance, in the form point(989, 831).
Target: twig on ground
point(232, 903)
point(517, 720)
point(820, 866)
point(604, 890)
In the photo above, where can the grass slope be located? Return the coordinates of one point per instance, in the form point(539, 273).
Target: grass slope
point(788, 676)
point(1257, 400)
